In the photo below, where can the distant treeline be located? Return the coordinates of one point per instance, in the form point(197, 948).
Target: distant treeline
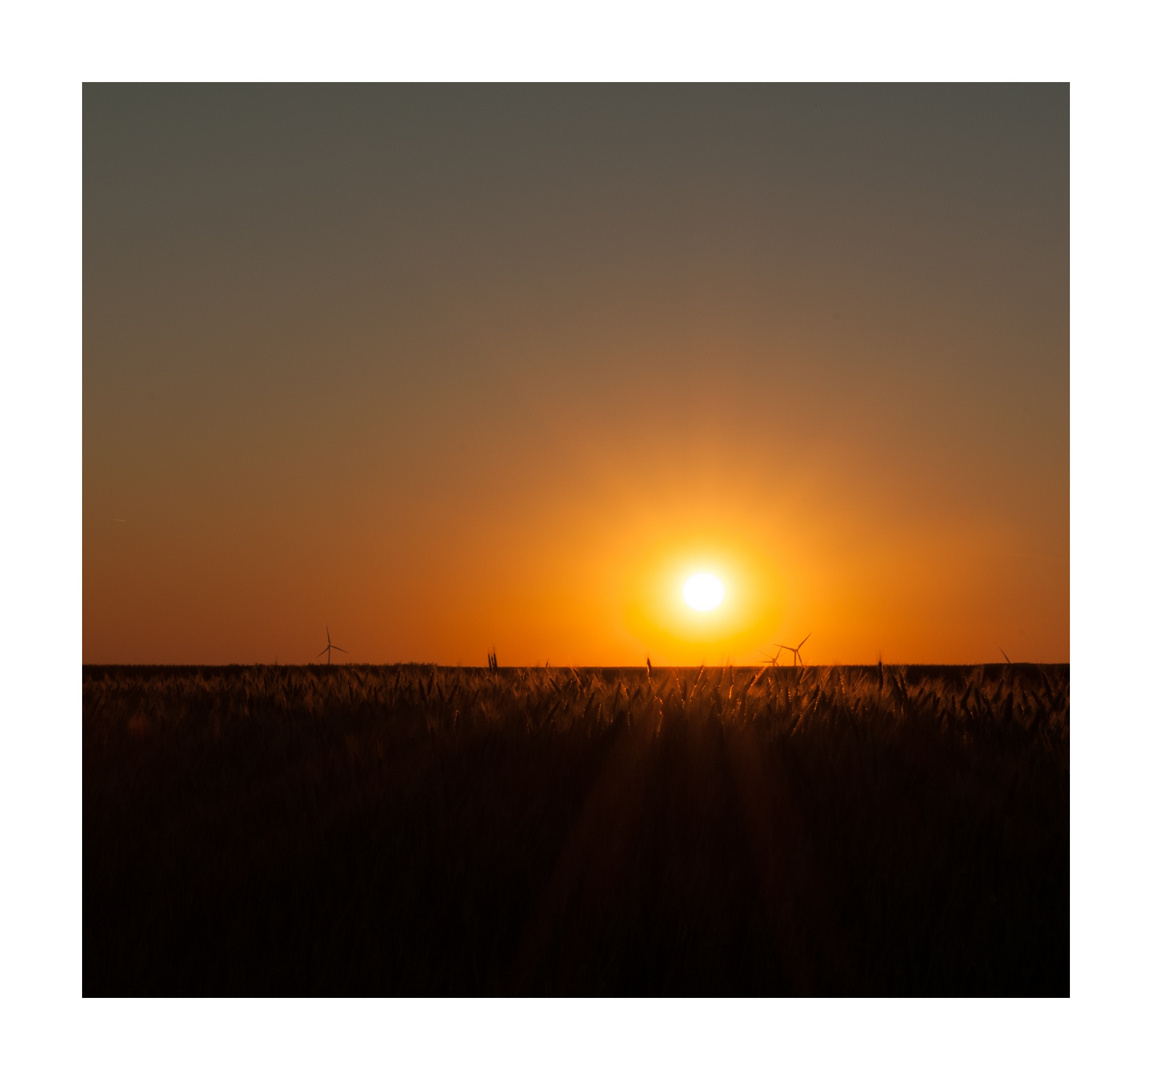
point(418, 830)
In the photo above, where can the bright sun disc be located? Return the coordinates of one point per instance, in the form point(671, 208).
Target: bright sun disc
point(703, 591)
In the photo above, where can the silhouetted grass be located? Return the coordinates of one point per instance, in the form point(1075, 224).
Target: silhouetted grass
point(420, 830)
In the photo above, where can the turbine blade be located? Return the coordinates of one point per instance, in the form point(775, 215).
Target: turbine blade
point(328, 635)
point(338, 649)
point(801, 645)
point(319, 654)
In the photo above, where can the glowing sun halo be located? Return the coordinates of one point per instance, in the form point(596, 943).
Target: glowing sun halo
point(703, 591)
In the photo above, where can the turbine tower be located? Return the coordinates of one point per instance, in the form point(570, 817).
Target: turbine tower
point(795, 651)
point(328, 649)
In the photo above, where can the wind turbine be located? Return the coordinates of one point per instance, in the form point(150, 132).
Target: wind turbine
point(796, 657)
point(330, 647)
point(775, 660)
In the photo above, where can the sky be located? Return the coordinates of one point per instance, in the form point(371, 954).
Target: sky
point(449, 369)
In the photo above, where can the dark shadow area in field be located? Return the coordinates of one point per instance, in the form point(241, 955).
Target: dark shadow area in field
point(414, 830)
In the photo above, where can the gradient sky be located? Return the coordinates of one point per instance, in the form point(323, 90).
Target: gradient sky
point(452, 368)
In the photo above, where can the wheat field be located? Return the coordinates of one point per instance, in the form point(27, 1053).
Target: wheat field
point(423, 830)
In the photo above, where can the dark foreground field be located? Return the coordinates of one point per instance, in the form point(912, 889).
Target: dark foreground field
point(414, 830)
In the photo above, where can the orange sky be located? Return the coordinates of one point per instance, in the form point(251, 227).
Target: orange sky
point(454, 368)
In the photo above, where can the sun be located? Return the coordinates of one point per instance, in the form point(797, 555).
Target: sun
point(703, 592)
